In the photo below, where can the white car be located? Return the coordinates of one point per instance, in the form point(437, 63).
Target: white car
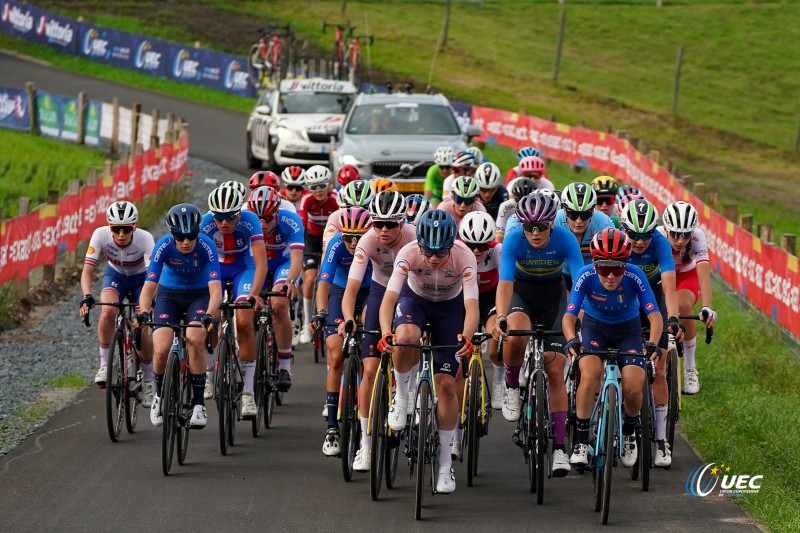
point(294, 124)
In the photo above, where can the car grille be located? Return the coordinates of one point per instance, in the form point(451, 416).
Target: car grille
point(305, 156)
point(318, 137)
point(382, 169)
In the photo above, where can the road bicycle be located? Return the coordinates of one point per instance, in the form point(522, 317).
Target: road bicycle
point(534, 431)
point(339, 54)
point(123, 372)
point(645, 430)
point(266, 58)
point(352, 65)
point(265, 382)
point(318, 340)
point(476, 407)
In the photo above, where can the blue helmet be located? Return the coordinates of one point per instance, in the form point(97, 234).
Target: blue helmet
point(184, 218)
point(436, 230)
point(528, 151)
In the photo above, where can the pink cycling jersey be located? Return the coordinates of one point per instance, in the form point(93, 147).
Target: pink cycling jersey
point(691, 254)
point(382, 257)
point(445, 282)
point(449, 205)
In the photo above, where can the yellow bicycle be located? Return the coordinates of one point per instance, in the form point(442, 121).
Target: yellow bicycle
point(476, 407)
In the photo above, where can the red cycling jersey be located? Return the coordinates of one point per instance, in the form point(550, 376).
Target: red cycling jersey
point(489, 268)
point(315, 215)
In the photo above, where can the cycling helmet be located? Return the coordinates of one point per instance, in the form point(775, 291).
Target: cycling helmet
point(464, 186)
point(237, 186)
point(183, 218)
point(317, 174)
point(536, 208)
point(264, 202)
point(487, 176)
point(477, 227)
point(122, 214)
point(464, 159)
point(627, 189)
point(531, 163)
point(340, 201)
point(436, 230)
point(354, 220)
point(639, 216)
point(522, 187)
point(443, 156)
point(680, 216)
point(625, 200)
point(416, 206)
point(578, 196)
point(293, 175)
point(528, 151)
point(265, 178)
point(550, 194)
point(610, 245)
point(388, 205)
point(605, 185)
point(382, 184)
point(347, 174)
point(474, 150)
point(356, 193)
point(225, 199)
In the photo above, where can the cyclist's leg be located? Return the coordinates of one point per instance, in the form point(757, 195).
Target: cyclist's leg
point(165, 309)
point(135, 284)
point(312, 254)
point(110, 293)
point(409, 322)
point(246, 337)
point(334, 353)
point(283, 326)
point(591, 368)
point(555, 361)
point(498, 370)
point(631, 364)
point(660, 389)
point(688, 289)
point(196, 346)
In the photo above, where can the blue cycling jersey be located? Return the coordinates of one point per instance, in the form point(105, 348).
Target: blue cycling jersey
point(184, 271)
point(234, 248)
point(597, 223)
point(287, 236)
point(617, 306)
point(336, 264)
point(655, 260)
point(522, 261)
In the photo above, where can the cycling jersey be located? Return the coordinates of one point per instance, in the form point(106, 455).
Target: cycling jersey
point(488, 268)
point(456, 273)
point(336, 264)
point(655, 260)
point(233, 248)
point(617, 306)
point(129, 260)
point(287, 236)
point(370, 252)
point(494, 203)
point(504, 212)
point(315, 214)
point(331, 228)
point(449, 205)
point(184, 271)
point(595, 225)
point(303, 194)
point(694, 252)
point(522, 261)
point(434, 182)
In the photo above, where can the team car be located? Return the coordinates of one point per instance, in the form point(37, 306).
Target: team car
point(292, 125)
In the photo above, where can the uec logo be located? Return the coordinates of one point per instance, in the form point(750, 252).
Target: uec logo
point(704, 479)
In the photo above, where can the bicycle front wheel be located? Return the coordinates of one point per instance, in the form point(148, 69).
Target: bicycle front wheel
point(260, 380)
point(378, 435)
point(349, 415)
point(540, 434)
point(610, 437)
point(423, 434)
point(115, 387)
point(132, 390)
point(224, 397)
point(646, 438)
point(475, 408)
point(169, 411)
point(673, 407)
point(184, 411)
point(272, 395)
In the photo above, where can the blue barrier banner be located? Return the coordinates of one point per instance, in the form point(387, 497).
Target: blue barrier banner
point(56, 31)
point(235, 78)
point(48, 113)
point(463, 113)
point(150, 56)
point(14, 109)
point(17, 19)
point(109, 46)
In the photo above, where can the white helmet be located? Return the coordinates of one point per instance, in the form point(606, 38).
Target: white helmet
point(551, 194)
point(293, 175)
point(474, 150)
point(122, 214)
point(487, 175)
point(578, 196)
point(340, 199)
point(241, 187)
point(443, 156)
point(680, 217)
point(225, 199)
point(388, 205)
point(477, 227)
point(318, 174)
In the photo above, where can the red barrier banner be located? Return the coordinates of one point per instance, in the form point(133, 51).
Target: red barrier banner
point(44, 233)
point(151, 173)
point(135, 168)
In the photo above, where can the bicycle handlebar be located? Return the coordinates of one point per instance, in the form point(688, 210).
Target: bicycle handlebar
point(349, 26)
point(709, 331)
point(178, 327)
point(119, 305)
point(533, 332)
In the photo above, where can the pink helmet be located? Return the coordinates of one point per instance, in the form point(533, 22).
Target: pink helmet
point(531, 164)
point(625, 200)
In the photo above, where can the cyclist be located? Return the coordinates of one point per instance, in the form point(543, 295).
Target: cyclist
point(377, 248)
point(519, 188)
point(605, 187)
point(416, 206)
point(533, 167)
point(283, 239)
point(314, 212)
point(491, 192)
point(463, 199)
point(652, 253)
point(353, 223)
point(434, 281)
point(610, 291)
point(243, 261)
point(354, 194)
point(513, 221)
point(382, 184)
point(692, 279)
point(464, 164)
point(128, 250)
point(265, 178)
point(531, 285)
point(477, 231)
point(434, 179)
point(185, 269)
point(347, 174)
point(522, 153)
point(294, 179)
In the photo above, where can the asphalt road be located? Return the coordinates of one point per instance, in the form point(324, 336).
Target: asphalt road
point(68, 476)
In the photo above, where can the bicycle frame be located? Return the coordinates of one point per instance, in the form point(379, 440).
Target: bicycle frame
point(611, 368)
point(466, 368)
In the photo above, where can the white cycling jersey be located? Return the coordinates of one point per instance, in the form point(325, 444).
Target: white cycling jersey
point(382, 257)
point(691, 254)
point(504, 212)
point(457, 273)
point(130, 260)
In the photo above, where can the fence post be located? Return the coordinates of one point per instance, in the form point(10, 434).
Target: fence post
point(49, 271)
point(712, 199)
point(81, 118)
point(622, 134)
point(114, 126)
point(136, 108)
point(765, 232)
point(154, 142)
point(33, 123)
point(700, 191)
point(677, 84)
point(797, 137)
point(21, 286)
point(746, 222)
point(655, 156)
point(731, 212)
point(71, 256)
point(559, 43)
point(789, 243)
point(608, 128)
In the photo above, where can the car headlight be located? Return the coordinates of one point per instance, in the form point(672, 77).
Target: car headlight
point(353, 160)
point(286, 133)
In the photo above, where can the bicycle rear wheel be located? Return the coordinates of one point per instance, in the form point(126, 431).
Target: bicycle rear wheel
point(423, 427)
point(169, 411)
point(260, 380)
point(475, 408)
point(392, 460)
point(610, 434)
point(115, 387)
point(350, 433)
point(646, 437)
point(223, 393)
point(599, 427)
point(184, 411)
point(540, 434)
point(378, 435)
point(132, 390)
point(272, 395)
point(673, 407)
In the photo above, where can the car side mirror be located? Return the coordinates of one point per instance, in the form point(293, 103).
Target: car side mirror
point(263, 110)
point(473, 131)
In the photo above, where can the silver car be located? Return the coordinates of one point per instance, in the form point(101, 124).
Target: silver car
point(395, 135)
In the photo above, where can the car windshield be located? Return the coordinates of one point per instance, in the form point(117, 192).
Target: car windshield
point(402, 119)
point(308, 102)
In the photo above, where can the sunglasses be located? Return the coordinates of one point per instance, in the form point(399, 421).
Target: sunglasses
point(381, 224)
point(351, 237)
point(296, 188)
point(681, 234)
point(180, 237)
point(606, 200)
point(460, 171)
point(636, 236)
point(541, 227)
point(606, 268)
point(489, 191)
point(575, 215)
point(477, 247)
point(461, 200)
point(318, 186)
point(226, 217)
point(532, 175)
point(446, 168)
point(120, 230)
point(431, 253)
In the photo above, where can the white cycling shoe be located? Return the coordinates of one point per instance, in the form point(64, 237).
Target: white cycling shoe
point(629, 452)
point(208, 391)
point(663, 457)
point(512, 404)
point(446, 480)
point(560, 463)
point(249, 408)
point(155, 412)
point(362, 460)
point(100, 377)
point(580, 455)
point(691, 381)
point(398, 413)
point(199, 417)
point(498, 390)
point(148, 392)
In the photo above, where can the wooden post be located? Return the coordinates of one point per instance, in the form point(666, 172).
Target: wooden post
point(170, 122)
point(445, 25)
point(667, 165)
point(91, 176)
point(71, 256)
point(655, 156)
point(746, 222)
point(114, 126)
point(21, 286)
point(154, 128)
point(700, 190)
point(559, 44)
point(81, 118)
point(139, 149)
point(641, 146)
point(136, 108)
point(677, 84)
point(608, 128)
point(789, 243)
point(49, 271)
point(731, 212)
point(687, 179)
point(32, 118)
point(108, 168)
point(622, 134)
point(712, 199)
point(765, 232)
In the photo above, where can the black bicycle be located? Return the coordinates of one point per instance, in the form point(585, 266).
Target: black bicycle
point(265, 383)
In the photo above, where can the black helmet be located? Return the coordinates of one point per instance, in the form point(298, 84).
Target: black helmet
point(184, 218)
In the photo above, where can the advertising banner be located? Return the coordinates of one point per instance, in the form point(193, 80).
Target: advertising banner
point(14, 109)
point(235, 78)
point(109, 46)
point(48, 113)
point(69, 119)
point(56, 31)
point(69, 213)
point(17, 19)
point(92, 117)
point(150, 56)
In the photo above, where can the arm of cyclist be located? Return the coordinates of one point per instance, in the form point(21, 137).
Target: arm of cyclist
point(671, 299)
point(386, 316)
point(349, 302)
point(573, 348)
point(656, 327)
point(86, 288)
point(704, 280)
point(505, 290)
point(470, 326)
point(321, 318)
point(145, 302)
point(214, 299)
